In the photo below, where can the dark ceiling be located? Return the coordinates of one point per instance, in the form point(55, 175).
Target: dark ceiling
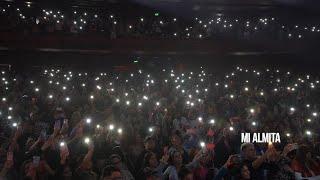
point(227, 3)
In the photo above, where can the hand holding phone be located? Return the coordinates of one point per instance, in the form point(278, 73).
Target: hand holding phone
point(57, 124)
point(43, 135)
point(36, 161)
point(64, 150)
point(10, 156)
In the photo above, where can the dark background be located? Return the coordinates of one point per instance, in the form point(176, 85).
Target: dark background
point(26, 52)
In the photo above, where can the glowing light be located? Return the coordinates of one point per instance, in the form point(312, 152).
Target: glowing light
point(111, 127)
point(308, 133)
point(315, 114)
point(62, 144)
point(231, 128)
point(88, 120)
point(202, 144)
point(87, 140)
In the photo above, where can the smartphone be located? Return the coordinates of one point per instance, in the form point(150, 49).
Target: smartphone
point(57, 124)
point(236, 159)
point(10, 156)
point(36, 161)
point(43, 134)
point(64, 148)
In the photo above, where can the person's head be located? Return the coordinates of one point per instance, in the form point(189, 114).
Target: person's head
point(149, 143)
point(185, 174)
point(150, 160)
point(111, 173)
point(157, 130)
point(176, 139)
point(303, 153)
point(290, 150)
point(115, 160)
point(206, 158)
point(175, 157)
point(245, 173)
point(151, 174)
point(248, 151)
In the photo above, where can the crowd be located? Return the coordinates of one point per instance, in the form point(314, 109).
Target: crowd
point(121, 23)
point(158, 124)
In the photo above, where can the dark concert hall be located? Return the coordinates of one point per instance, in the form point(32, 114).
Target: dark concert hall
point(159, 90)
